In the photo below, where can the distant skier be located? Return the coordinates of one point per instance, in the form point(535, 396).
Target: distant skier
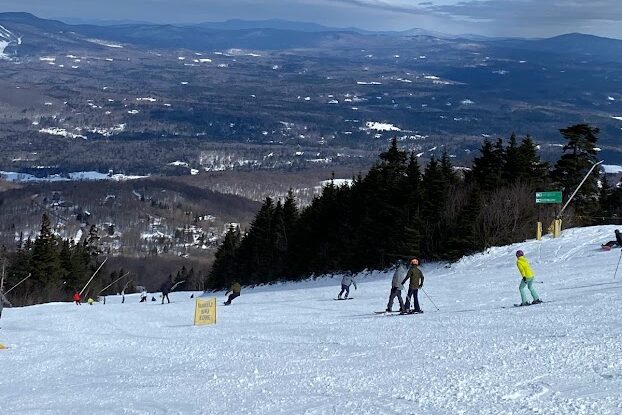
point(143, 296)
point(166, 288)
point(397, 286)
point(527, 279)
point(77, 298)
point(346, 281)
point(3, 302)
point(235, 291)
point(90, 301)
point(416, 281)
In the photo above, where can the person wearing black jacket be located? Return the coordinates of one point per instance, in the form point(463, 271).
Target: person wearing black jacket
point(166, 288)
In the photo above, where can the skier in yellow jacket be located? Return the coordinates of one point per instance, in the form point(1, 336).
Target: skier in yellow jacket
point(528, 276)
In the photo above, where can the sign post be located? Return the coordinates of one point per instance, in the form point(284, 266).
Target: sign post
point(548, 198)
point(205, 312)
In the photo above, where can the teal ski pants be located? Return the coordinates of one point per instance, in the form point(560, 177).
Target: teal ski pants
point(529, 284)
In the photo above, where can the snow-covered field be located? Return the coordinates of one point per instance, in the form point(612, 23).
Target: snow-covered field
point(292, 349)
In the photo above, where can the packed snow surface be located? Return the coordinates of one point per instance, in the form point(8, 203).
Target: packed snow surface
point(292, 349)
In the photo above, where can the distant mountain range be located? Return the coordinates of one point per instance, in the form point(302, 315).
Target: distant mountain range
point(289, 84)
point(269, 35)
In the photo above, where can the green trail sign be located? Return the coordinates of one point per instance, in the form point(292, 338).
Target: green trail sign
point(548, 197)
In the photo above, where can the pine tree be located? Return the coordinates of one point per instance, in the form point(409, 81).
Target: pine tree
point(533, 169)
point(579, 156)
point(45, 262)
point(225, 266)
point(488, 167)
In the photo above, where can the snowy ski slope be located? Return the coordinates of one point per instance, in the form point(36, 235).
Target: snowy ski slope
point(292, 349)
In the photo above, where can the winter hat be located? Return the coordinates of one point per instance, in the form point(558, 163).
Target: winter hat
point(414, 261)
point(519, 253)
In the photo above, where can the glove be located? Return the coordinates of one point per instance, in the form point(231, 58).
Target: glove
point(524, 279)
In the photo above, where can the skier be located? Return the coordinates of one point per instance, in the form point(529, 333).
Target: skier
point(416, 281)
point(235, 291)
point(397, 287)
point(166, 288)
point(77, 298)
point(90, 301)
point(346, 281)
point(143, 296)
point(3, 301)
point(527, 279)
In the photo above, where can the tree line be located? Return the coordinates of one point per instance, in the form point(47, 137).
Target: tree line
point(401, 209)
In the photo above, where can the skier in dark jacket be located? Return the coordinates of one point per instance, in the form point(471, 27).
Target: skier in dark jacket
point(166, 288)
point(235, 291)
point(416, 281)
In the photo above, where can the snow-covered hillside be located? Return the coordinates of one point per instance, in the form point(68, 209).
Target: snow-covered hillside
point(292, 349)
point(7, 38)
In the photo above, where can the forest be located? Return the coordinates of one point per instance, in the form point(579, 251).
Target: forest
point(401, 209)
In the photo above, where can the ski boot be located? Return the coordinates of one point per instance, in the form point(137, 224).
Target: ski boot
point(538, 301)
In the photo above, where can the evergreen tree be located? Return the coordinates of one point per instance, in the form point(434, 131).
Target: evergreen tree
point(488, 167)
point(45, 262)
point(225, 267)
point(533, 169)
point(579, 156)
point(433, 205)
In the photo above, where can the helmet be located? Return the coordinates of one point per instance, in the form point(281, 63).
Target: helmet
point(414, 261)
point(519, 253)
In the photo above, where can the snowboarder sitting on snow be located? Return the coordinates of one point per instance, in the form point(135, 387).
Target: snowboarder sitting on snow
point(527, 279)
point(612, 244)
point(346, 281)
point(166, 288)
point(235, 292)
point(3, 302)
point(77, 298)
point(143, 296)
point(416, 281)
point(397, 287)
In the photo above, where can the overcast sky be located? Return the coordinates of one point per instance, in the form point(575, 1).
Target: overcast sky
point(528, 18)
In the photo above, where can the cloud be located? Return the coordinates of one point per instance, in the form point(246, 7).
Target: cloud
point(546, 11)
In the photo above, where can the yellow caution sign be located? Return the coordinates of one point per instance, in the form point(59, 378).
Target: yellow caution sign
point(205, 312)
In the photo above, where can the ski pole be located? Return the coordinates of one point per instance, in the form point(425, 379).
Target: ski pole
point(95, 273)
point(15, 286)
point(426, 294)
point(618, 266)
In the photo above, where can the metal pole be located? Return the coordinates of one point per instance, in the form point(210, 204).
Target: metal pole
point(616, 273)
point(426, 294)
point(578, 187)
point(110, 285)
point(95, 273)
point(15, 286)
